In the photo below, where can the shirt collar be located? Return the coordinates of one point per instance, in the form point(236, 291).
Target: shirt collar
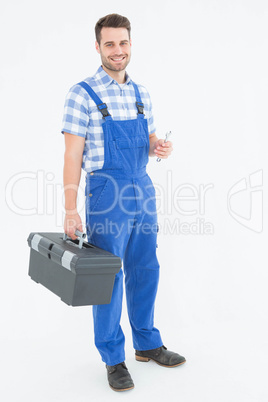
point(105, 79)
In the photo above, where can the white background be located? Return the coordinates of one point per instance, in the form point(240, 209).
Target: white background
point(205, 64)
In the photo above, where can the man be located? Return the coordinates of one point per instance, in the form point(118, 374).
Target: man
point(109, 131)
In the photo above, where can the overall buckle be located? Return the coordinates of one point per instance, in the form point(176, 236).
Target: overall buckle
point(140, 107)
point(104, 110)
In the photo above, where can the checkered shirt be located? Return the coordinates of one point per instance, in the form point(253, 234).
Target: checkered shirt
point(81, 116)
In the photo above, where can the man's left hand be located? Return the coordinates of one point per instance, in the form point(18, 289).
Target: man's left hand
point(163, 149)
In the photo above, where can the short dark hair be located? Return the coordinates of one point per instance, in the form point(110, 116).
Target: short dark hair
point(111, 21)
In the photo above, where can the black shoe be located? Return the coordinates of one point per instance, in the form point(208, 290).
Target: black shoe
point(119, 377)
point(161, 356)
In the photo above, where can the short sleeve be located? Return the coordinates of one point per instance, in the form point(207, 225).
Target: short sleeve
point(75, 116)
point(148, 109)
point(150, 117)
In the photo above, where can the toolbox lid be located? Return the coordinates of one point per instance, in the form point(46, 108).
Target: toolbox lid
point(86, 260)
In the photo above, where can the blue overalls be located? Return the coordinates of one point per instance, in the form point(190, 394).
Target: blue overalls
point(121, 218)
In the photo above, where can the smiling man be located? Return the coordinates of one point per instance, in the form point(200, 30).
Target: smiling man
point(114, 58)
point(109, 131)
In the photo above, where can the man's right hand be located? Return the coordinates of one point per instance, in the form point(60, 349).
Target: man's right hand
point(72, 222)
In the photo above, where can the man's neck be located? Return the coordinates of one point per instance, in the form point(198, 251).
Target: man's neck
point(119, 76)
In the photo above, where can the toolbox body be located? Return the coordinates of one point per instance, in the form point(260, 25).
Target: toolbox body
point(79, 276)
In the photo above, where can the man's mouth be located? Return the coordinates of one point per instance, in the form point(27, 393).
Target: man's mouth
point(117, 59)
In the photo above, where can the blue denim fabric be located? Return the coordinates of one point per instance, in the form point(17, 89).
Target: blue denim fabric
point(121, 218)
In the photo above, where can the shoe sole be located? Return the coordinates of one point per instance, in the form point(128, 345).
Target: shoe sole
point(121, 390)
point(147, 359)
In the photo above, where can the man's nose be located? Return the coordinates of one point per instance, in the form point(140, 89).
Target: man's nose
point(118, 49)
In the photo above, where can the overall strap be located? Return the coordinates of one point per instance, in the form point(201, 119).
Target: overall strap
point(100, 105)
point(139, 104)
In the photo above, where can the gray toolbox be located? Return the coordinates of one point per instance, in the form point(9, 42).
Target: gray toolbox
point(78, 272)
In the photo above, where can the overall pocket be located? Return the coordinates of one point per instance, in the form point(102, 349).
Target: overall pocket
point(95, 191)
point(133, 152)
point(130, 143)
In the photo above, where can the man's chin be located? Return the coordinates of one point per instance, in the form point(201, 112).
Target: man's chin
point(119, 67)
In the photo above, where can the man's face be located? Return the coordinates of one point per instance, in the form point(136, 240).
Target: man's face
point(114, 48)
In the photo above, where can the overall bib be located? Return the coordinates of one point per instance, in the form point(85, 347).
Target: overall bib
point(121, 218)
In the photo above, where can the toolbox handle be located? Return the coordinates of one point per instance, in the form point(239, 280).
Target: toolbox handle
point(81, 236)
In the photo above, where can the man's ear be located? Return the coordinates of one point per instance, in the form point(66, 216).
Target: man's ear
point(130, 42)
point(97, 47)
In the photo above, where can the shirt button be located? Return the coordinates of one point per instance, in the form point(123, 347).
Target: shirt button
point(91, 173)
point(90, 195)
